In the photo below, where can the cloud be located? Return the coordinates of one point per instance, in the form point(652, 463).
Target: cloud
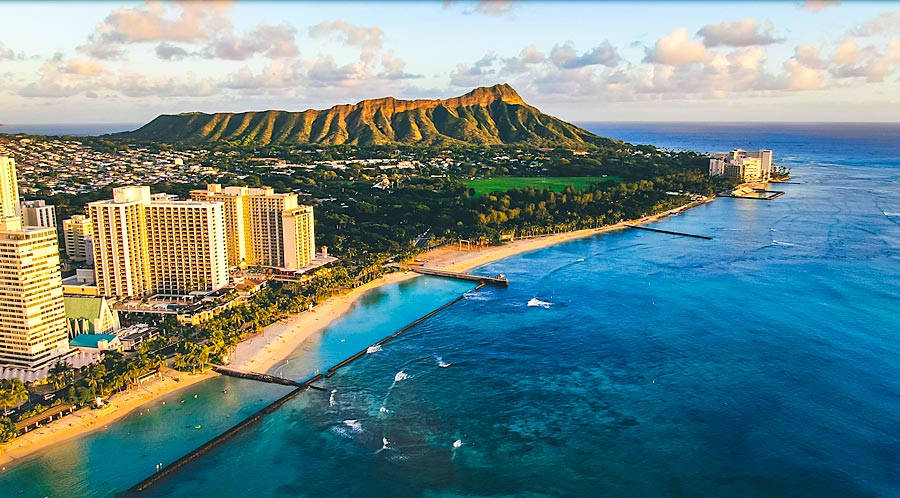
point(809, 56)
point(817, 5)
point(84, 67)
point(494, 7)
point(529, 56)
point(367, 39)
point(8, 54)
point(275, 42)
point(800, 77)
point(197, 21)
point(675, 49)
point(167, 51)
point(473, 75)
point(887, 22)
point(869, 62)
point(138, 85)
point(744, 33)
point(565, 56)
point(395, 68)
point(277, 74)
point(203, 24)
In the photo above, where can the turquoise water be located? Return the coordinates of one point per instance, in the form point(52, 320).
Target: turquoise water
point(761, 363)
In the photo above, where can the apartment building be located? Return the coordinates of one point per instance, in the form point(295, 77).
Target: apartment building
point(78, 234)
point(38, 213)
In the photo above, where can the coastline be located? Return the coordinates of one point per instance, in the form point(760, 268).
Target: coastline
point(87, 420)
point(279, 340)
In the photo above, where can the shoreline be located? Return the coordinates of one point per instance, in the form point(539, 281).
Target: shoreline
point(87, 420)
point(279, 340)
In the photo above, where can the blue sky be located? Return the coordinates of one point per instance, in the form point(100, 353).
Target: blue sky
point(581, 61)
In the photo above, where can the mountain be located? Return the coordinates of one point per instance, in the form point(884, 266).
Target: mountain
point(484, 116)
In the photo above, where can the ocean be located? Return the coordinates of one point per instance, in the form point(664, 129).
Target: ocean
point(78, 129)
point(763, 362)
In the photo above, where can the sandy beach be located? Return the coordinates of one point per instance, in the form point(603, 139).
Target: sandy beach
point(277, 341)
point(87, 420)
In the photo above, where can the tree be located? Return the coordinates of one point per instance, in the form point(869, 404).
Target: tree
point(60, 375)
point(12, 393)
point(7, 429)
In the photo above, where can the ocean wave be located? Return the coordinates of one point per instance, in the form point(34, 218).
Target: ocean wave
point(373, 349)
point(354, 425)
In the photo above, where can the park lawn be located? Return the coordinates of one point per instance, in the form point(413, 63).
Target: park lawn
point(555, 183)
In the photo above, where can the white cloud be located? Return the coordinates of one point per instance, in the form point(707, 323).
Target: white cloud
point(676, 48)
point(565, 56)
point(367, 39)
point(744, 33)
point(476, 74)
point(887, 22)
point(275, 42)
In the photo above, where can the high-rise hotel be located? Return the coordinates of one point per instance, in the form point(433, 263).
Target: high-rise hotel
point(264, 228)
point(32, 310)
point(78, 233)
point(150, 244)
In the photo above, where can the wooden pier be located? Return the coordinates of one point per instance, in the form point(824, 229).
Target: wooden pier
point(496, 280)
point(670, 232)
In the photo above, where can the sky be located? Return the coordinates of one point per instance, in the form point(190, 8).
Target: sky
point(127, 62)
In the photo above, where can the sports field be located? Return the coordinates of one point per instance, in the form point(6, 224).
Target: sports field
point(555, 183)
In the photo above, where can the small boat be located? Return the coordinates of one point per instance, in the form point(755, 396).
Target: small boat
point(198, 427)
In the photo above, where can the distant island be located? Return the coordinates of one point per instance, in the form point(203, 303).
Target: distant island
point(494, 115)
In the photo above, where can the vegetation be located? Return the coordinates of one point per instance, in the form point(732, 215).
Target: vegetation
point(481, 186)
point(485, 116)
point(12, 394)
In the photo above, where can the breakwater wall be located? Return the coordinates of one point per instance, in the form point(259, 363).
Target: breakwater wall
point(257, 416)
point(670, 232)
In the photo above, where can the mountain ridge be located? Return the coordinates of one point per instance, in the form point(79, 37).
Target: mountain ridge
point(492, 115)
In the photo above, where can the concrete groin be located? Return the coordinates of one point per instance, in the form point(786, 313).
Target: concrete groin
point(670, 232)
point(257, 416)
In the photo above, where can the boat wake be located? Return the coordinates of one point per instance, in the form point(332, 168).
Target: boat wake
point(401, 375)
point(537, 303)
point(331, 398)
point(354, 425)
point(441, 363)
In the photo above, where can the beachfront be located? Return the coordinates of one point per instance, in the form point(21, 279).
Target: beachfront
point(277, 341)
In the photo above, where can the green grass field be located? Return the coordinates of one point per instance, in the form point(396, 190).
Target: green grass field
point(555, 183)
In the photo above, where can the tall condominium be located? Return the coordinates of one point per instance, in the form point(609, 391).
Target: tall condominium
point(264, 228)
point(187, 246)
point(38, 214)
point(32, 310)
point(121, 253)
point(147, 244)
point(78, 233)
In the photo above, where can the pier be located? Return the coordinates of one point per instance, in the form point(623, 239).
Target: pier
point(300, 388)
point(496, 280)
point(670, 232)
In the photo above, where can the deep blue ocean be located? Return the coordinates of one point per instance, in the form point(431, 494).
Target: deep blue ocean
point(764, 362)
point(80, 129)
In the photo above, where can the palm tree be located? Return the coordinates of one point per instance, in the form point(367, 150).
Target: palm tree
point(60, 374)
point(12, 393)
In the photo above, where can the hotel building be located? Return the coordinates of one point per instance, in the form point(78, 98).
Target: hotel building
point(121, 255)
point(187, 246)
point(742, 165)
point(32, 311)
point(264, 228)
point(147, 244)
point(78, 233)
